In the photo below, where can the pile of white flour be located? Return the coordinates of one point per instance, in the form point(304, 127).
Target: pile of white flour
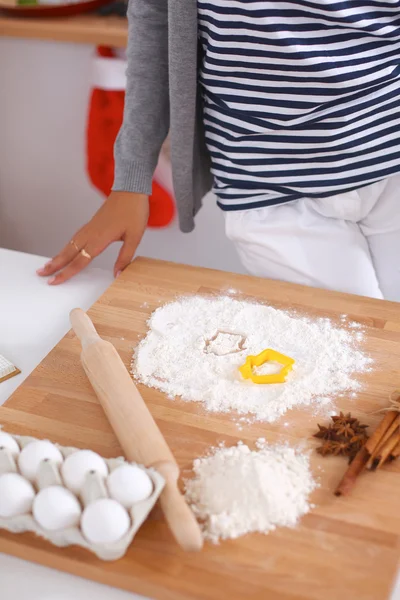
point(195, 346)
point(237, 490)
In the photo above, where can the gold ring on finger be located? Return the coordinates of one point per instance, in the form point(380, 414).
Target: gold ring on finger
point(75, 245)
point(85, 254)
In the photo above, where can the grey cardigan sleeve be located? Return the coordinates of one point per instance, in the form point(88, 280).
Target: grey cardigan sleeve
point(146, 114)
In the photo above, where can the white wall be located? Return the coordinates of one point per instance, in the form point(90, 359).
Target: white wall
point(44, 191)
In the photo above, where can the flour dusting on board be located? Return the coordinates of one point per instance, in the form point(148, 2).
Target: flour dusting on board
point(195, 346)
point(236, 490)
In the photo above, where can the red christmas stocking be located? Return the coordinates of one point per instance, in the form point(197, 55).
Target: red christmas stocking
point(104, 122)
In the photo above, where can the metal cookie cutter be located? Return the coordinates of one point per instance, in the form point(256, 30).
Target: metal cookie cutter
point(267, 356)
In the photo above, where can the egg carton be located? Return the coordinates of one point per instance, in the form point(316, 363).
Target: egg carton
point(94, 488)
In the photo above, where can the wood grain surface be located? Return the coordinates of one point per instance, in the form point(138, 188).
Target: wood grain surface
point(81, 29)
point(345, 548)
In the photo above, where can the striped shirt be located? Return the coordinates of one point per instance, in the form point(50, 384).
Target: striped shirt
point(301, 97)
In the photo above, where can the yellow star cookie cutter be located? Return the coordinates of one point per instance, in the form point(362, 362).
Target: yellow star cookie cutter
point(267, 356)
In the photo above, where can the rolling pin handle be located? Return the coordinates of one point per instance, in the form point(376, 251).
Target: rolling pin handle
point(83, 327)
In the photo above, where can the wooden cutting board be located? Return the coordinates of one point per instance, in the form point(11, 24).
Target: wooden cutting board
point(346, 548)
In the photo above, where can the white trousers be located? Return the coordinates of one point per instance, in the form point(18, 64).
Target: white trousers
point(349, 243)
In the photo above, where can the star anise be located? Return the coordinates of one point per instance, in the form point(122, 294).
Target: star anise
point(342, 419)
point(325, 449)
point(344, 437)
point(346, 430)
point(334, 447)
point(326, 433)
point(340, 448)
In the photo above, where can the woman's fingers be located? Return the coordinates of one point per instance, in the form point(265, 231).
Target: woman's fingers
point(123, 216)
point(70, 262)
point(79, 263)
point(82, 259)
point(67, 254)
point(125, 255)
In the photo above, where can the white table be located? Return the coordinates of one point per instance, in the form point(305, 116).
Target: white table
point(33, 318)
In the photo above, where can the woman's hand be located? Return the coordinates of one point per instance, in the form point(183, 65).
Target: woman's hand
point(123, 217)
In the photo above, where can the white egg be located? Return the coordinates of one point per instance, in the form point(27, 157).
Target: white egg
point(56, 508)
point(34, 453)
point(16, 495)
point(78, 465)
point(128, 484)
point(104, 521)
point(7, 442)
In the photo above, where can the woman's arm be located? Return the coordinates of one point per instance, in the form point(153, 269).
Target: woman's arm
point(146, 115)
point(123, 216)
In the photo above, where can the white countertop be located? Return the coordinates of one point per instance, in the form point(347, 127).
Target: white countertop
point(33, 315)
point(33, 318)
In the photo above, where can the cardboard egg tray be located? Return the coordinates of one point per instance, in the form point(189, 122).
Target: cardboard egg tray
point(94, 488)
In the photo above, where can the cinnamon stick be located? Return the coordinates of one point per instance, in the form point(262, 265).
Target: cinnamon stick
point(373, 442)
point(355, 468)
point(395, 424)
point(396, 452)
point(362, 457)
point(387, 449)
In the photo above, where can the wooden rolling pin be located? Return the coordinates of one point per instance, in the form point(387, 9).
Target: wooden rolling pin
point(135, 428)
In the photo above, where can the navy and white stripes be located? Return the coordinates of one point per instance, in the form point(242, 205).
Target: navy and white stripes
point(302, 97)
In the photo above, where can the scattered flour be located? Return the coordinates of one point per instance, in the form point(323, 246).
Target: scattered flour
point(237, 490)
point(196, 345)
point(225, 343)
